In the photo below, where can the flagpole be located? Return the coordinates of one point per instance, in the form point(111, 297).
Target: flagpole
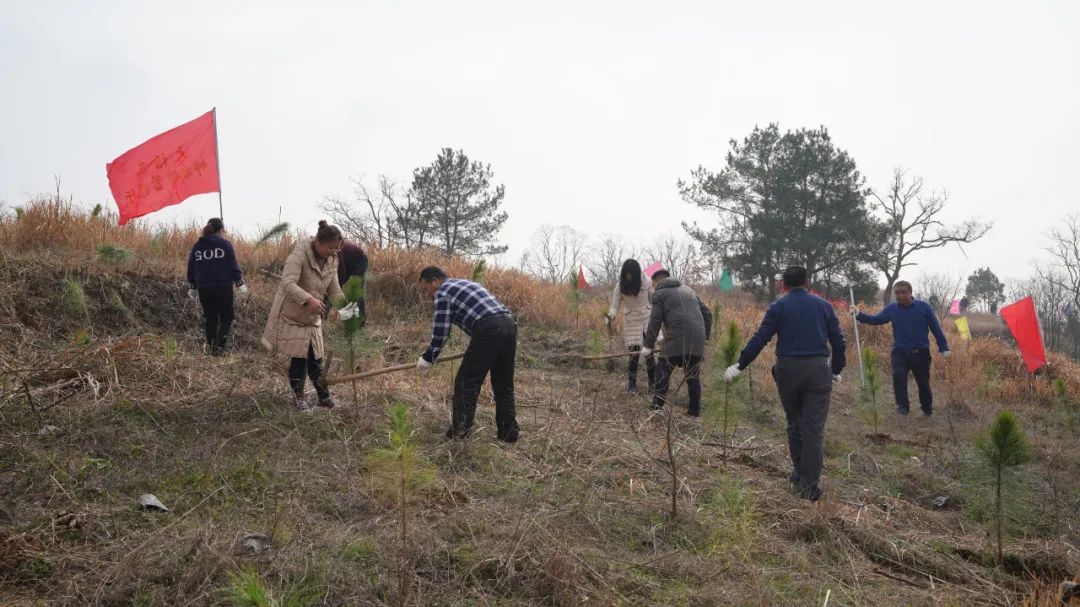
point(217, 161)
point(858, 342)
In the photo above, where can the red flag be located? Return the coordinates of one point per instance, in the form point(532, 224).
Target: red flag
point(166, 169)
point(581, 282)
point(1023, 322)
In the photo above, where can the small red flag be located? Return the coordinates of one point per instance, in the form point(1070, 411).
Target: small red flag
point(581, 282)
point(166, 169)
point(1023, 322)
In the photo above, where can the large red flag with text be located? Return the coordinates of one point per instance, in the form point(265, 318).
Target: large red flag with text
point(166, 169)
point(1023, 322)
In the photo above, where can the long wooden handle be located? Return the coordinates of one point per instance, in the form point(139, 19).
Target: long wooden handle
point(617, 355)
point(385, 370)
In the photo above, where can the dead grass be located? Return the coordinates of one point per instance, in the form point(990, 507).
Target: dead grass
point(575, 513)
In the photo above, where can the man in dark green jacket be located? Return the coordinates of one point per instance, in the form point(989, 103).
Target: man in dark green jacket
point(687, 324)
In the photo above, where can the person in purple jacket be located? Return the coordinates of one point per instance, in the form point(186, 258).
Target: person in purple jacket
point(911, 320)
point(212, 273)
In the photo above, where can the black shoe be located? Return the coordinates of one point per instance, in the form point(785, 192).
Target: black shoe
point(509, 437)
point(693, 412)
point(812, 493)
point(656, 407)
point(451, 434)
point(327, 403)
point(793, 478)
point(631, 391)
point(926, 413)
point(902, 411)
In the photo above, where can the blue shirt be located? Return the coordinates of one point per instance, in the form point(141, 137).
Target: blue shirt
point(212, 263)
point(910, 325)
point(806, 326)
point(459, 302)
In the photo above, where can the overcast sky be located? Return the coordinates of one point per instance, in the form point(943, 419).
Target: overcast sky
point(588, 112)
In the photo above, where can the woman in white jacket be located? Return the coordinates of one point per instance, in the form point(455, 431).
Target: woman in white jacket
point(634, 294)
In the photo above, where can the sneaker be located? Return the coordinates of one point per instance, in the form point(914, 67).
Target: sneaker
point(902, 411)
point(302, 405)
point(327, 403)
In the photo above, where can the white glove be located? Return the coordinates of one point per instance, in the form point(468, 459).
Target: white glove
point(836, 378)
point(732, 372)
point(646, 352)
point(349, 311)
point(243, 289)
point(192, 294)
point(422, 364)
point(946, 353)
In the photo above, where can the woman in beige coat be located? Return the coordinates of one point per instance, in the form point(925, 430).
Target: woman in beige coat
point(294, 327)
point(634, 294)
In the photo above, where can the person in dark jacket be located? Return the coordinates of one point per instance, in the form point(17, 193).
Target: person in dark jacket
point(212, 273)
point(911, 320)
point(807, 326)
point(352, 261)
point(687, 324)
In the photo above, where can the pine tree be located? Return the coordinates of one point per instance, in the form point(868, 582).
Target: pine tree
point(1003, 447)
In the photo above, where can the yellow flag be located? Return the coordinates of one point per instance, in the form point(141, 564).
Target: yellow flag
point(962, 326)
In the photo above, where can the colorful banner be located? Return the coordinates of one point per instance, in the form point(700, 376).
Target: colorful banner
point(963, 328)
point(727, 283)
point(581, 282)
point(166, 169)
point(954, 307)
point(653, 267)
point(1023, 323)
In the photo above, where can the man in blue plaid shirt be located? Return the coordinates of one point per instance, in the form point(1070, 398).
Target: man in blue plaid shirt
point(493, 348)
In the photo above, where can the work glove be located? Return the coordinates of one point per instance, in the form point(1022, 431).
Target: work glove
point(732, 372)
point(192, 294)
point(422, 364)
point(646, 352)
point(348, 312)
point(242, 289)
point(946, 353)
point(836, 378)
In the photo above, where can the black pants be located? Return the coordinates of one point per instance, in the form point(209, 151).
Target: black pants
point(917, 363)
point(692, 365)
point(310, 366)
point(650, 369)
point(805, 387)
point(492, 348)
point(218, 313)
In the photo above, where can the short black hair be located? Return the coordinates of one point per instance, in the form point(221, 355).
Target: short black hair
point(431, 273)
point(661, 274)
point(902, 283)
point(795, 276)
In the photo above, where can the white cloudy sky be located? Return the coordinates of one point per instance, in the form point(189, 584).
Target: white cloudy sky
point(588, 112)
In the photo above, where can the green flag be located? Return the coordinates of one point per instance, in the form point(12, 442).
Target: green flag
point(726, 282)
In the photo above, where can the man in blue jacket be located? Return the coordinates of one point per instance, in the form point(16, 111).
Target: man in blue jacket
point(911, 320)
point(805, 372)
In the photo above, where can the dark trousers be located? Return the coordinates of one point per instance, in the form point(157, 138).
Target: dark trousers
point(805, 386)
point(917, 363)
point(492, 348)
point(312, 368)
point(692, 366)
point(218, 313)
point(650, 369)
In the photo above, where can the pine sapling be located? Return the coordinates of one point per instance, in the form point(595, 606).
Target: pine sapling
point(479, 272)
point(871, 391)
point(729, 351)
point(353, 290)
point(1003, 446)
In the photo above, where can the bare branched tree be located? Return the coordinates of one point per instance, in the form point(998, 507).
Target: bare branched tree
point(388, 215)
point(913, 224)
point(1064, 248)
point(555, 253)
point(607, 257)
point(679, 256)
point(937, 289)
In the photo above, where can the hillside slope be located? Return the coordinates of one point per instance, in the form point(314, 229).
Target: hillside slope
point(113, 399)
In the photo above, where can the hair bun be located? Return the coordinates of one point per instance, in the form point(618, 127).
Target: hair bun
point(322, 223)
